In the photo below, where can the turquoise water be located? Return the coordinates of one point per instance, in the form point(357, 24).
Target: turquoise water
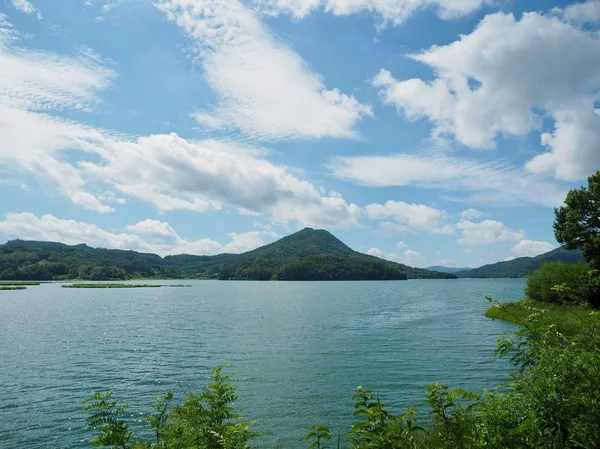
point(298, 349)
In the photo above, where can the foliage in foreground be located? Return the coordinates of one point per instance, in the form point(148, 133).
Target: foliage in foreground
point(552, 401)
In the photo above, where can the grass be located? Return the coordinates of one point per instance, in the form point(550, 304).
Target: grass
point(12, 287)
point(110, 285)
point(568, 319)
point(19, 283)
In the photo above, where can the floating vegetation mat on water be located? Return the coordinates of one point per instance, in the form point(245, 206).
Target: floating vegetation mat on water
point(13, 287)
point(2, 283)
point(111, 285)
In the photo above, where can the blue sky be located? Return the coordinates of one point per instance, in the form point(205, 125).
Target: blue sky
point(422, 131)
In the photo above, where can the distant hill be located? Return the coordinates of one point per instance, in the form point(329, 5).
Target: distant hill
point(443, 269)
point(522, 266)
point(306, 255)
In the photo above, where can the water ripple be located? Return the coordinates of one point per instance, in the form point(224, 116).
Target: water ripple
point(298, 350)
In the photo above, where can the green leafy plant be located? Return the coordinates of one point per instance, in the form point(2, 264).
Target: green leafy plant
point(203, 421)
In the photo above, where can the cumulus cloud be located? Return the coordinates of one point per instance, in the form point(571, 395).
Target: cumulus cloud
point(582, 12)
point(412, 257)
point(392, 12)
point(531, 248)
point(376, 252)
point(505, 78)
point(265, 89)
point(98, 169)
point(486, 232)
point(166, 171)
point(379, 253)
point(146, 236)
point(416, 217)
point(484, 182)
point(470, 214)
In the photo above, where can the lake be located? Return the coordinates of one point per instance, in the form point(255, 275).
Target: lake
point(298, 349)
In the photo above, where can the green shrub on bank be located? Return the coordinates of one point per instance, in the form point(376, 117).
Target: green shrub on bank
point(556, 282)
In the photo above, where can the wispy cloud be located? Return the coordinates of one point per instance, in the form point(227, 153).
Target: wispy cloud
point(147, 236)
point(265, 89)
point(468, 179)
point(26, 7)
point(393, 12)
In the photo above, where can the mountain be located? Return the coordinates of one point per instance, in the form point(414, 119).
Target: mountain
point(522, 266)
point(306, 255)
point(442, 269)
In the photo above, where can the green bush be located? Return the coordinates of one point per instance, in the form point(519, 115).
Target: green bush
point(556, 282)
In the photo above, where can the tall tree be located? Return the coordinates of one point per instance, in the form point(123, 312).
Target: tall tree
point(577, 223)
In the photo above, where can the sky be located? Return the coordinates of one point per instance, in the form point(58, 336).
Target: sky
point(428, 132)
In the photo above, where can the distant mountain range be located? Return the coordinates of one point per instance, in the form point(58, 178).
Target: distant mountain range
point(522, 266)
point(447, 269)
point(305, 255)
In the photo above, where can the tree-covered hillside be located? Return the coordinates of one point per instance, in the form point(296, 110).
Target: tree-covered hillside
point(306, 255)
point(317, 254)
point(522, 266)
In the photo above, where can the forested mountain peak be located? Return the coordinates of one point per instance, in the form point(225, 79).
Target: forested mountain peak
point(307, 242)
point(309, 254)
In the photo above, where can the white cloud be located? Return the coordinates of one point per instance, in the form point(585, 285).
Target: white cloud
point(574, 146)
point(392, 12)
point(449, 263)
point(582, 12)
point(378, 253)
point(37, 80)
point(416, 217)
point(486, 232)
point(26, 7)
point(531, 248)
point(412, 257)
point(485, 182)
point(265, 89)
point(393, 229)
point(401, 245)
point(173, 173)
point(470, 214)
point(166, 171)
point(32, 143)
point(40, 81)
point(96, 168)
point(496, 80)
point(146, 236)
